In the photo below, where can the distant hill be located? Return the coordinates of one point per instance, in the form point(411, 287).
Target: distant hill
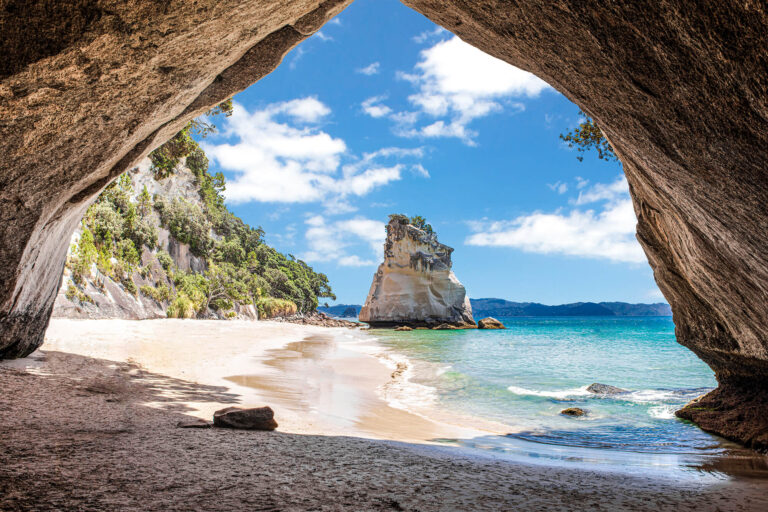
point(341, 310)
point(500, 307)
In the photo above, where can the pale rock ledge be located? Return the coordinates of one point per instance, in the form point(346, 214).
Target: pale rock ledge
point(415, 285)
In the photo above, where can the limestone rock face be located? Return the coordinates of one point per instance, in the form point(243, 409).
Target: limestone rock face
point(490, 323)
point(415, 284)
point(87, 89)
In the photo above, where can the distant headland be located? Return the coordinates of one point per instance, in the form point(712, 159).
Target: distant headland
point(500, 307)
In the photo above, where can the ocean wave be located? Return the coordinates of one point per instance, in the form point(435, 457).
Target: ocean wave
point(563, 393)
point(662, 412)
point(400, 392)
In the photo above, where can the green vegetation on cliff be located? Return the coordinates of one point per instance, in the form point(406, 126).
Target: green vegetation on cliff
point(586, 136)
point(240, 269)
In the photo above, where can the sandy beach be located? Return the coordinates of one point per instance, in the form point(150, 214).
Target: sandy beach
point(89, 424)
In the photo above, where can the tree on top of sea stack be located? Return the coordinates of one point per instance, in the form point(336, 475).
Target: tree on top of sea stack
point(415, 285)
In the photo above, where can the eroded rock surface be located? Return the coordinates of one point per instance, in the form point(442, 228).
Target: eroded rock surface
point(87, 89)
point(681, 91)
point(415, 284)
point(489, 323)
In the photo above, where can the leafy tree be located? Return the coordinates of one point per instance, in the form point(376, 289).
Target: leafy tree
point(586, 136)
point(421, 223)
point(241, 268)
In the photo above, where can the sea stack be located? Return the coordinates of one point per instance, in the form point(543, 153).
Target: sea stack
point(414, 285)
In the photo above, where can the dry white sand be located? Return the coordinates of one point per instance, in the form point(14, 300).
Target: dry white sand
point(88, 424)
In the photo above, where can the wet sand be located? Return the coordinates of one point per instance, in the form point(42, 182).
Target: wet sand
point(89, 423)
point(307, 374)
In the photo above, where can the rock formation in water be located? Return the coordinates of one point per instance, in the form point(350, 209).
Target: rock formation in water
point(88, 88)
point(415, 284)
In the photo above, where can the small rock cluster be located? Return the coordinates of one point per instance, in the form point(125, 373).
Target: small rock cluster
point(316, 318)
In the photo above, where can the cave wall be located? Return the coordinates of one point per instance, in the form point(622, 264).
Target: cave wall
point(87, 89)
point(679, 88)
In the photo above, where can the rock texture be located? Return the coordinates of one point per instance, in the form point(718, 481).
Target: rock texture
point(604, 389)
point(258, 418)
point(87, 88)
point(415, 284)
point(108, 298)
point(490, 323)
point(681, 92)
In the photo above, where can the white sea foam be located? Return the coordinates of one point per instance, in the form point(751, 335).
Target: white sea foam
point(563, 393)
point(664, 412)
point(401, 392)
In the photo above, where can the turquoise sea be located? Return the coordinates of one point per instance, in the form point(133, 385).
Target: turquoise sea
point(524, 376)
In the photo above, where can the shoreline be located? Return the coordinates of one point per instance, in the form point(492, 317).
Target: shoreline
point(97, 430)
point(337, 381)
point(315, 384)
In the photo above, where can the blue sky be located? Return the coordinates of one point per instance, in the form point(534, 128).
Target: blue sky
point(383, 112)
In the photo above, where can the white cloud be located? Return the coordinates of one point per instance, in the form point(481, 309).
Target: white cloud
point(369, 179)
point(371, 69)
point(420, 170)
point(428, 34)
point(280, 154)
point(603, 192)
point(322, 36)
point(605, 232)
point(374, 108)
point(335, 241)
point(559, 187)
point(456, 84)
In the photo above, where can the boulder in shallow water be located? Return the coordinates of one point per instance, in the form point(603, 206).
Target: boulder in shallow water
point(403, 328)
point(573, 411)
point(258, 418)
point(490, 323)
point(604, 389)
point(444, 327)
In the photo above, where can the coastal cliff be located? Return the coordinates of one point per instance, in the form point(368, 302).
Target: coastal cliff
point(415, 284)
point(160, 242)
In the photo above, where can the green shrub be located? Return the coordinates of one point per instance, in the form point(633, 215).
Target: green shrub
point(187, 224)
point(270, 307)
point(157, 293)
point(181, 307)
point(74, 293)
point(165, 260)
point(104, 261)
point(127, 252)
point(129, 285)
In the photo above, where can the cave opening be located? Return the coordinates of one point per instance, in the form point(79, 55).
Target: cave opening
point(315, 169)
point(698, 199)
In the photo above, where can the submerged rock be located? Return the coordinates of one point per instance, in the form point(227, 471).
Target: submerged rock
point(415, 285)
point(490, 323)
point(259, 418)
point(573, 411)
point(604, 389)
point(403, 328)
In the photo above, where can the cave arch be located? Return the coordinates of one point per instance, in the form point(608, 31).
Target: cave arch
point(681, 92)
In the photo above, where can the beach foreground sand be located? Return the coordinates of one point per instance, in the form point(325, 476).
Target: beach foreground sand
point(88, 423)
